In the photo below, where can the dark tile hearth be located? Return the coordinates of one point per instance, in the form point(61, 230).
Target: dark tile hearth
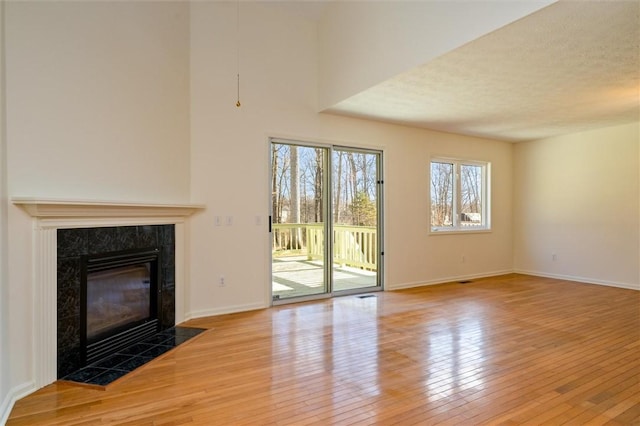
point(125, 361)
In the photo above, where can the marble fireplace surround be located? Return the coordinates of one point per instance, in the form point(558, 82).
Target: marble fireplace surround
point(49, 216)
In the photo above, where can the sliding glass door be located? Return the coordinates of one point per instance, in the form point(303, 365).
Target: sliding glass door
point(356, 188)
point(319, 191)
point(298, 212)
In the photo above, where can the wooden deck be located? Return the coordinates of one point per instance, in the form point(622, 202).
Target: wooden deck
point(296, 276)
point(511, 350)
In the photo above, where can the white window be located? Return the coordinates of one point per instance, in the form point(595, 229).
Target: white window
point(459, 195)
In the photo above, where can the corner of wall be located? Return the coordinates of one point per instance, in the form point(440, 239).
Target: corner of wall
point(6, 397)
point(559, 231)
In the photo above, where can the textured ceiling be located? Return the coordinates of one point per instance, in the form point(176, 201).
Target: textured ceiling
point(569, 67)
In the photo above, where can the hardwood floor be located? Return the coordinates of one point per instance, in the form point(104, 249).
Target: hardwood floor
point(511, 350)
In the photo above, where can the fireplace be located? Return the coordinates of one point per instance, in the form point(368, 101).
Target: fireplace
point(62, 231)
point(120, 301)
point(116, 285)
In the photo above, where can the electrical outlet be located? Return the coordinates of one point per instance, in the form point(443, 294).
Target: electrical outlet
point(464, 259)
point(554, 257)
point(221, 283)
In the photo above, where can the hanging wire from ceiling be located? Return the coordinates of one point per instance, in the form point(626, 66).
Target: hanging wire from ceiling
point(238, 104)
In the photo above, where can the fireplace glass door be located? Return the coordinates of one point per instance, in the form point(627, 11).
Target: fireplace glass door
point(121, 301)
point(117, 297)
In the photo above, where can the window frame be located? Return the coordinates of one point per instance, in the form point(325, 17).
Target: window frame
point(457, 227)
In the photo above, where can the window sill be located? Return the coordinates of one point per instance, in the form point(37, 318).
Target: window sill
point(459, 231)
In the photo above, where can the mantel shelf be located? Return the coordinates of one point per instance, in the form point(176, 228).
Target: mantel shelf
point(56, 208)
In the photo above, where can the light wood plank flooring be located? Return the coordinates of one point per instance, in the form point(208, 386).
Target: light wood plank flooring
point(512, 350)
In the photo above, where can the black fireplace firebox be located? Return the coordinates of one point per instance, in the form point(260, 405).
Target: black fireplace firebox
point(120, 300)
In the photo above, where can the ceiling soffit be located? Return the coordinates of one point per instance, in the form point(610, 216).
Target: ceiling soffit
point(569, 67)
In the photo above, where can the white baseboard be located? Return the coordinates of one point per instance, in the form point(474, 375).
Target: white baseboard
point(579, 279)
point(451, 279)
point(224, 310)
point(10, 399)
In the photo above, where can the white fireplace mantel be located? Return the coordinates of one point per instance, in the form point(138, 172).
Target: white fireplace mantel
point(57, 208)
point(49, 215)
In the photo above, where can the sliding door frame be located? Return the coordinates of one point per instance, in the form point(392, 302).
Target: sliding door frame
point(327, 210)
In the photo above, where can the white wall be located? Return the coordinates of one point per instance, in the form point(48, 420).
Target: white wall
point(98, 100)
point(365, 43)
point(229, 149)
point(230, 162)
point(97, 108)
point(578, 196)
point(5, 383)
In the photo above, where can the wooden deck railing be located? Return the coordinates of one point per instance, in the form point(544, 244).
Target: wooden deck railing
point(352, 245)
